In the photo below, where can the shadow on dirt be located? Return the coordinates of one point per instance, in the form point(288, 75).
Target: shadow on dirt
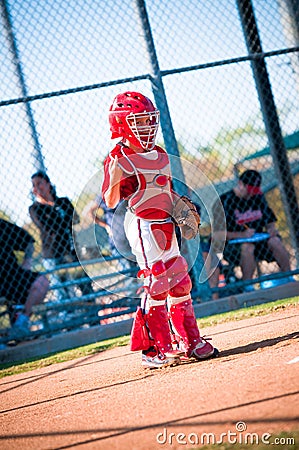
point(189, 421)
point(252, 347)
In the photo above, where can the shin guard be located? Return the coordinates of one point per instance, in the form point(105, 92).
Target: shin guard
point(157, 321)
point(184, 323)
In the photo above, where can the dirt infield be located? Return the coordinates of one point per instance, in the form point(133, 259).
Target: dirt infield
point(107, 401)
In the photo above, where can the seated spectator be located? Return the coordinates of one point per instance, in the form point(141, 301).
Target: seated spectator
point(241, 213)
point(55, 216)
point(18, 284)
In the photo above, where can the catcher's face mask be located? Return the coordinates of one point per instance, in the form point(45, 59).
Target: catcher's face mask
point(144, 127)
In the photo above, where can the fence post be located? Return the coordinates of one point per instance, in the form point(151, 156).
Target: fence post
point(37, 154)
point(289, 13)
point(271, 120)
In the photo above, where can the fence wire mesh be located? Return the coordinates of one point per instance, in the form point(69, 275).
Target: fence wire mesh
point(231, 84)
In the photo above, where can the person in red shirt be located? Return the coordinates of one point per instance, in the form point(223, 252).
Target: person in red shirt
point(139, 171)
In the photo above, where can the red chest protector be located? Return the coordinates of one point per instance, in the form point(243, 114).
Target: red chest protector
point(153, 200)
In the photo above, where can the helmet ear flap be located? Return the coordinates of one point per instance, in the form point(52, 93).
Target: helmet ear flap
point(114, 135)
point(116, 125)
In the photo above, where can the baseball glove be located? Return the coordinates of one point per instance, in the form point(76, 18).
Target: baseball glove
point(185, 215)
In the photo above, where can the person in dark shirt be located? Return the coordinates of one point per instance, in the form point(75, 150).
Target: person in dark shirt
point(19, 284)
point(54, 216)
point(243, 212)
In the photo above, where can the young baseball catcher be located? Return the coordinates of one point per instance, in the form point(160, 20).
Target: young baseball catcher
point(138, 170)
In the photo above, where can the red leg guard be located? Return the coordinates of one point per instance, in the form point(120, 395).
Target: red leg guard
point(184, 322)
point(157, 321)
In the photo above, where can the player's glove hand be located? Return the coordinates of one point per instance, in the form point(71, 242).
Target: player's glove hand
point(185, 215)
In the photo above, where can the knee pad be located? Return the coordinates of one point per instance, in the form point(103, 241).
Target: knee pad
point(158, 284)
point(180, 283)
point(176, 265)
point(180, 288)
point(158, 269)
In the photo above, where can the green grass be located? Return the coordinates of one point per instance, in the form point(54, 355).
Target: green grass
point(246, 313)
point(91, 349)
point(7, 369)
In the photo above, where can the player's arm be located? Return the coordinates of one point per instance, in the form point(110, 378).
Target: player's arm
point(112, 194)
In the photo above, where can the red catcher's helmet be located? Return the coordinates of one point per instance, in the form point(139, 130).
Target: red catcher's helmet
point(133, 116)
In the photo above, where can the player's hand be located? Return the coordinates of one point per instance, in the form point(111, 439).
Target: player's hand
point(115, 171)
point(249, 232)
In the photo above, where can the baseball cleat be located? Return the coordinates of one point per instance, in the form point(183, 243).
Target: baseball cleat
point(159, 361)
point(204, 350)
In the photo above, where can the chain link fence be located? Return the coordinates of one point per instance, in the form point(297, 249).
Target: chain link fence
point(225, 76)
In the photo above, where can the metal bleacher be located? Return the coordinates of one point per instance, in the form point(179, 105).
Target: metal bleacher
point(114, 298)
